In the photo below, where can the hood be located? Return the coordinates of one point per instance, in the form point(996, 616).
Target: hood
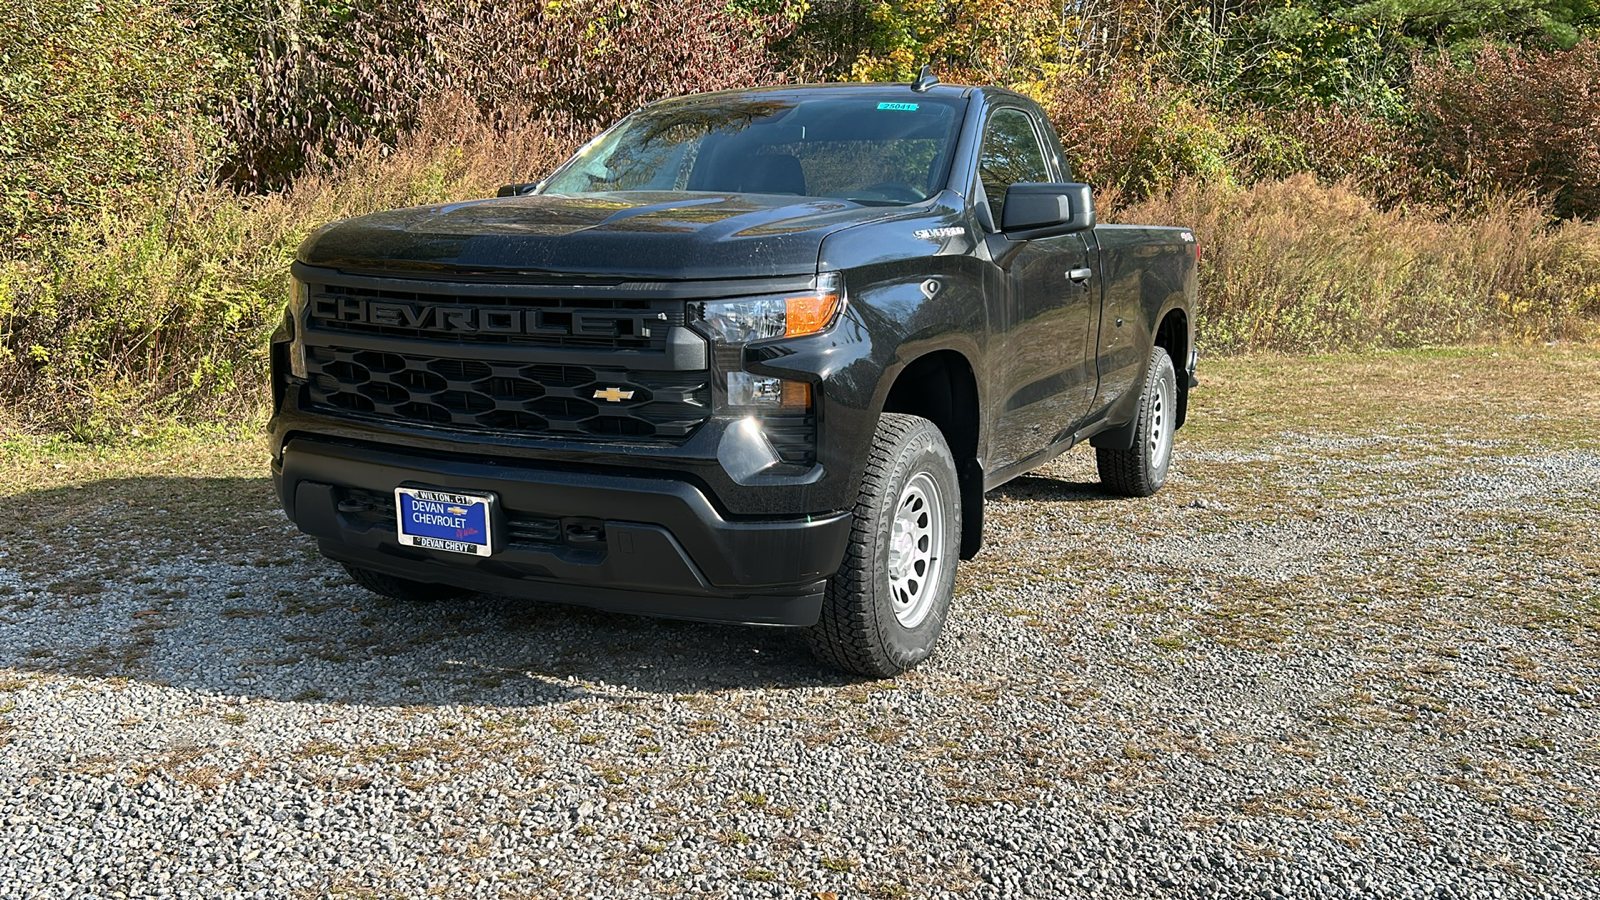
point(635, 235)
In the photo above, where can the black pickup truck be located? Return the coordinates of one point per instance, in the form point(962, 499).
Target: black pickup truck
point(750, 356)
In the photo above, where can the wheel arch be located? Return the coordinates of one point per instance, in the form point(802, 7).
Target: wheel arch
point(1175, 334)
point(942, 387)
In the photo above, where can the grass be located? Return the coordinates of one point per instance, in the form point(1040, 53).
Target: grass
point(31, 462)
point(134, 503)
point(1528, 395)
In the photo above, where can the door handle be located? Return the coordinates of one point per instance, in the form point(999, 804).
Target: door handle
point(1079, 275)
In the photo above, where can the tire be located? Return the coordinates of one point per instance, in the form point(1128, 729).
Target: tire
point(885, 608)
point(1141, 470)
point(402, 589)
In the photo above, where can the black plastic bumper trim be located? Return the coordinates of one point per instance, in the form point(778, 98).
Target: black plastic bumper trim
point(662, 536)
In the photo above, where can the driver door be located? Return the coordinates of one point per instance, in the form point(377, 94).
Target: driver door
point(1050, 314)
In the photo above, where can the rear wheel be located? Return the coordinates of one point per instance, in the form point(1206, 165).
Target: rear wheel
point(1141, 470)
point(885, 608)
point(404, 589)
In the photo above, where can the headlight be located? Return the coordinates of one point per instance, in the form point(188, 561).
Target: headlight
point(733, 324)
point(745, 321)
point(747, 390)
point(752, 319)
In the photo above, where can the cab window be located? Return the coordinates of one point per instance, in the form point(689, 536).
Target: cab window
point(1011, 155)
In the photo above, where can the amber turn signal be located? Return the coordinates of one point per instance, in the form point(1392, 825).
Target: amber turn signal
point(796, 396)
point(809, 313)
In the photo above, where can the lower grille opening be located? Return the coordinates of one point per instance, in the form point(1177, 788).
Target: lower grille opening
point(793, 439)
point(373, 509)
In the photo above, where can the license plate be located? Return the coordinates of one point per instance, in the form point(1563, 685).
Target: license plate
point(444, 520)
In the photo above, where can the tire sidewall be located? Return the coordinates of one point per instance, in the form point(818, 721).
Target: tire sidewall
point(1161, 372)
point(924, 451)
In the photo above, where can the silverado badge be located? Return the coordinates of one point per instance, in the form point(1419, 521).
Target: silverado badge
point(613, 395)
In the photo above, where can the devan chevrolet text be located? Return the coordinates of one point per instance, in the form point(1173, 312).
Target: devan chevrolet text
point(751, 356)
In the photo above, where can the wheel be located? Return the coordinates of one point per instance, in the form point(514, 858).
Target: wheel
point(1142, 469)
point(887, 604)
point(396, 588)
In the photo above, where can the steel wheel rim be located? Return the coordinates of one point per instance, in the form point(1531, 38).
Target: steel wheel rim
point(916, 548)
point(1160, 434)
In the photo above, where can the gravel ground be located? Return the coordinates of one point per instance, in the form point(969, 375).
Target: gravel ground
point(1322, 663)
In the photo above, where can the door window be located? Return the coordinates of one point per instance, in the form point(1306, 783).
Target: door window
point(1011, 155)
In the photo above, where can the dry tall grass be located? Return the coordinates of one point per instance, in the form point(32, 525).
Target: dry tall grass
point(1299, 266)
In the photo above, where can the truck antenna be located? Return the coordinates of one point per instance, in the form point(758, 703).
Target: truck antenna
point(925, 79)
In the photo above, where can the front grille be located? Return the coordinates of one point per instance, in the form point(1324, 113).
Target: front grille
point(537, 399)
point(594, 323)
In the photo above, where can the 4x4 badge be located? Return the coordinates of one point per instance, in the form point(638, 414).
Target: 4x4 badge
point(613, 395)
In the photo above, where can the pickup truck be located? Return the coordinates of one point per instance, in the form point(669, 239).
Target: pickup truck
point(749, 356)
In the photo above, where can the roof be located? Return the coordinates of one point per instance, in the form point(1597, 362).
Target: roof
point(951, 91)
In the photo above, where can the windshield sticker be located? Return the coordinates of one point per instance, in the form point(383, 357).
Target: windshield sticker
point(899, 107)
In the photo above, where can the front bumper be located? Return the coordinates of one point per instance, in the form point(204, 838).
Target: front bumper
point(630, 543)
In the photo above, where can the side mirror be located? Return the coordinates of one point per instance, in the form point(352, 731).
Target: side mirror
point(1061, 208)
point(514, 190)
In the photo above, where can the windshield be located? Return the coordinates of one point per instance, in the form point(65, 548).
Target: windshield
point(863, 148)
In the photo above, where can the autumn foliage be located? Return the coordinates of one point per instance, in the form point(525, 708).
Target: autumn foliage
point(1515, 119)
point(344, 76)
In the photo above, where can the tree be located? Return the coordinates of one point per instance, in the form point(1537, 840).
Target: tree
point(1453, 23)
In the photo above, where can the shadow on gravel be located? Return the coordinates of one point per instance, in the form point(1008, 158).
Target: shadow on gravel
point(201, 583)
point(1043, 487)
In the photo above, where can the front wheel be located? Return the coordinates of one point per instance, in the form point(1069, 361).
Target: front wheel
point(1141, 470)
point(885, 608)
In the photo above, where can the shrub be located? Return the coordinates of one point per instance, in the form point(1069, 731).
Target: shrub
point(1336, 143)
point(162, 308)
point(133, 286)
point(355, 73)
point(1010, 42)
point(1139, 136)
point(1515, 119)
point(97, 100)
point(1136, 134)
point(1286, 53)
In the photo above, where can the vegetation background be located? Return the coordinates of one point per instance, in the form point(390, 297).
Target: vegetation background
point(1362, 173)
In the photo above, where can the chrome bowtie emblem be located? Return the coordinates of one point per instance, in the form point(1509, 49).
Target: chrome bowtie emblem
point(613, 395)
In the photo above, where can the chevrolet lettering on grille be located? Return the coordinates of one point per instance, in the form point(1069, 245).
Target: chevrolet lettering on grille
point(484, 320)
